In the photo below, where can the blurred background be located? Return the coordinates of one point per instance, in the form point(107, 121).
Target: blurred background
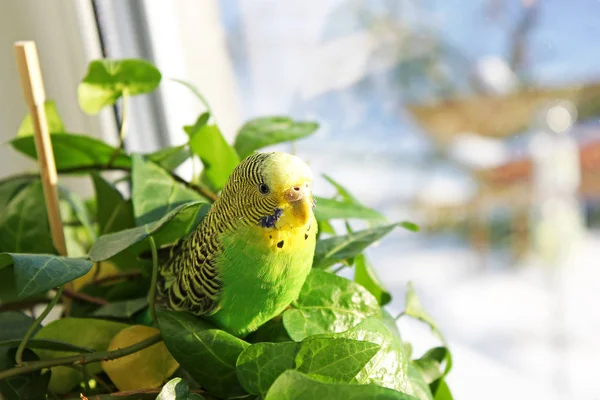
point(476, 119)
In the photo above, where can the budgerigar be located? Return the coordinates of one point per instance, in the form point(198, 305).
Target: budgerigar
point(250, 256)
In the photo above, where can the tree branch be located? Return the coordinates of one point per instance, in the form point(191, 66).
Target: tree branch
point(85, 297)
point(79, 359)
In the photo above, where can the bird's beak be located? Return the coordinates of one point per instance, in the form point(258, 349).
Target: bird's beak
point(296, 193)
point(300, 200)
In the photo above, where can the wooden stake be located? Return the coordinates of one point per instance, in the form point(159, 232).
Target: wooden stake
point(35, 97)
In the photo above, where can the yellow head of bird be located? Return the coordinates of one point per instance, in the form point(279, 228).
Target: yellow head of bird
point(275, 188)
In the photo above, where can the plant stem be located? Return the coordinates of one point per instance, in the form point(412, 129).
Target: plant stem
point(123, 128)
point(36, 323)
point(79, 359)
point(152, 292)
point(85, 297)
point(400, 315)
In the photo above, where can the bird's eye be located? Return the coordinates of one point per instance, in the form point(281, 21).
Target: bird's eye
point(263, 189)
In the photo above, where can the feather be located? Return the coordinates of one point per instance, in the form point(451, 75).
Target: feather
point(250, 256)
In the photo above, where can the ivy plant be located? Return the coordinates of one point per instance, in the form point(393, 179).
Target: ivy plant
point(335, 341)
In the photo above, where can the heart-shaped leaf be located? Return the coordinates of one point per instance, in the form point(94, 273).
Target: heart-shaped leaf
point(190, 339)
point(38, 273)
point(387, 368)
point(107, 80)
point(334, 359)
point(294, 385)
point(260, 364)
point(266, 131)
point(327, 304)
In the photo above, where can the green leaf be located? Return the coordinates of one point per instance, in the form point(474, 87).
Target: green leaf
point(208, 354)
point(175, 224)
point(217, 156)
point(442, 391)
point(339, 248)
point(266, 131)
point(328, 304)
point(364, 275)
point(24, 223)
point(335, 359)
point(55, 123)
point(10, 188)
point(430, 367)
point(387, 368)
point(294, 385)
point(342, 191)
point(324, 227)
point(328, 209)
point(113, 212)
point(14, 326)
point(196, 93)
point(107, 80)
point(121, 309)
point(30, 386)
point(79, 209)
point(260, 364)
point(177, 389)
point(414, 308)
point(94, 334)
point(170, 157)
point(37, 273)
point(155, 192)
point(420, 388)
point(75, 152)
